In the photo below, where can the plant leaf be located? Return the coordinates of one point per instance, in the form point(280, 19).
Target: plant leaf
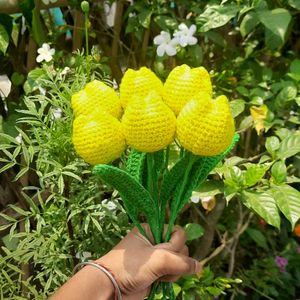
point(279, 172)
point(135, 197)
point(216, 16)
point(254, 173)
point(248, 23)
point(264, 204)
point(4, 39)
point(288, 201)
point(135, 164)
point(193, 231)
point(289, 146)
point(276, 22)
point(257, 237)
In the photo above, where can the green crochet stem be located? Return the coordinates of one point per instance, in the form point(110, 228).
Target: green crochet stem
point(138, 187)
point(176, 201)
point(152, 186)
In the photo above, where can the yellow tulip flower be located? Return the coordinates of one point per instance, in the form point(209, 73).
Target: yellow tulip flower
point(205, 126)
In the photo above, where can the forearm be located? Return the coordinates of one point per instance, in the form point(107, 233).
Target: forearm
point(89, 283)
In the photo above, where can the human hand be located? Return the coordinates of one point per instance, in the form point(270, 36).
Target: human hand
point(136, 263)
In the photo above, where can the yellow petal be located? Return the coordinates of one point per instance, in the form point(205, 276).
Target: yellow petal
point(149, 125)
point(98, 138)
point(138, 83)
point(183, 83)
point(96, 95)
point(205, 126)
point(259, 115)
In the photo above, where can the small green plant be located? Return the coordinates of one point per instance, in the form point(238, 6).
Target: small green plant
point(65, 213)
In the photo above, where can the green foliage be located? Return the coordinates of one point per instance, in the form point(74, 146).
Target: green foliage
point(206, 286)
point(4, 39)
point(63, 213)
point(134, 196)
point(193, 231)
point(252, 48)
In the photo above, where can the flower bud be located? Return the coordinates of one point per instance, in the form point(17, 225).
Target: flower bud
point(183, 83)
point(98, 138)
point(205, 126)
point(96, 95)
point(85, 6)
point(138, 84)
point(149, 125)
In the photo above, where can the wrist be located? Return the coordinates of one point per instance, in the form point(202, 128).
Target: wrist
point(99, 283)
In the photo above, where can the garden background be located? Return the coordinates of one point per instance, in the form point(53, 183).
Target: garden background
point(241, 223)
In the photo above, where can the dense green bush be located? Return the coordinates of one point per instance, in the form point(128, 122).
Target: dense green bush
point(248, 207)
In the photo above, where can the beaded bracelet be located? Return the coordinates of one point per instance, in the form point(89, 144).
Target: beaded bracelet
point(118, 295)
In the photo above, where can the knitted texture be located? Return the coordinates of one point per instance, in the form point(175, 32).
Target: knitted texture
point(149, 125)
point(138, 84)
point(135, 164)
point(136, 198)
point(183, 83)
point(98, 138)
point(205, 126)
point(201, 169)
point(96, 95)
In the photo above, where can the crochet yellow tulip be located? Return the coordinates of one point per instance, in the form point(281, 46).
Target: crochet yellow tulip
point(205, 126)
point(96, 95)
point(183, 83)
point(149, 124)
point(138, 84)
point(98, 138)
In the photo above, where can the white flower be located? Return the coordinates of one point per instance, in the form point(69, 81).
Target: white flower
point(109, 204)
point(57, 113)
point(46, 2)
point(5, 86)
point(65, 71)
point(185, 35)
point(45, 53)
point(165, 44)
point(19, 138)
point(110, 12)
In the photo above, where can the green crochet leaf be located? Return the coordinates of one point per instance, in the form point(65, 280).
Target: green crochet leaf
point(200, 170)
point(170, 181)
point(136, 164)
point(136, 198)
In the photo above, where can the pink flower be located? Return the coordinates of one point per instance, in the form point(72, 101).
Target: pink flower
point(281, 262)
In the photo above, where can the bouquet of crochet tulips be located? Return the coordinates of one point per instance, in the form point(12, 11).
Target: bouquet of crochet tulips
point(147, 116)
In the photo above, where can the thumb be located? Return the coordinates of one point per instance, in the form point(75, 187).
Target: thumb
point(178, 264)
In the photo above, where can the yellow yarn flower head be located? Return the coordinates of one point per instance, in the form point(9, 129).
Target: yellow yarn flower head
point(96, 95)
point(98, 138)
point(149, 124)
point(205, 126)
point(138, 84)
point(183, 83)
